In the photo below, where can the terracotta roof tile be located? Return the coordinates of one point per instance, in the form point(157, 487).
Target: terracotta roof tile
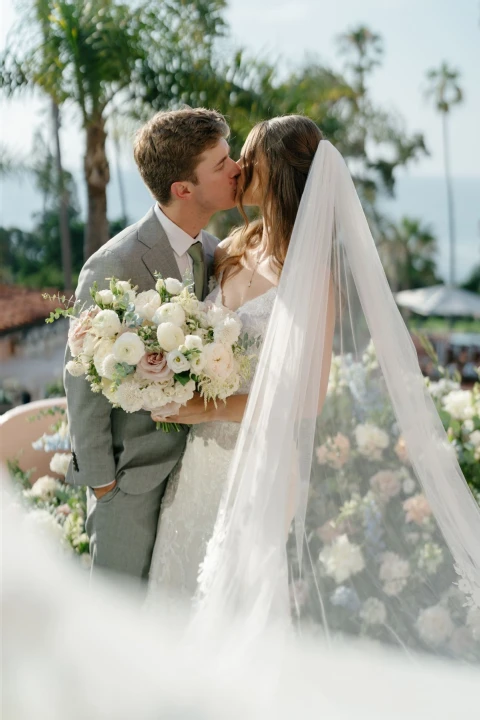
point(20, 306)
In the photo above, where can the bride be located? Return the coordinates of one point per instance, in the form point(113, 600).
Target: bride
point(331, 497)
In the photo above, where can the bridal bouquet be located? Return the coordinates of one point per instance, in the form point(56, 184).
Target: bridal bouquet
point(152, 350)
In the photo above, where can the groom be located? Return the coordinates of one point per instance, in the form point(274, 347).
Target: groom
point(183, 158)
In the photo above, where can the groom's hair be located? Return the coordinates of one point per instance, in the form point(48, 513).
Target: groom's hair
point(168, 147)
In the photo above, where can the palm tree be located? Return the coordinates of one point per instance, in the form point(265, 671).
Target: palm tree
point(408, 251)
point(445, 92)
point(93, 55)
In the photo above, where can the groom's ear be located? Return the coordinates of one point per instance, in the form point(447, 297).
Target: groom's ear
point(180, 190)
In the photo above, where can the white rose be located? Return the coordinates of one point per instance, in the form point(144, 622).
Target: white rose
point(60, 462)
point(104, 297)
point(197, 363)
point(128, 348)
point(159, 285)
point(218, 360)
point(147, 303)
point(173, 286)
point(129, 396)
point(177, 361)
point(342, 559)
point(75, 368)
point(459, 404)
point(193, 342)
point(170, 312)
point(170, 336)
point(228, 331)
point(103, 349)
point(435, 625)
point(106, 323)
point(373, 611)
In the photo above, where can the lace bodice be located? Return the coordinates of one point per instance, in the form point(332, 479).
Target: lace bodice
point(190, 505)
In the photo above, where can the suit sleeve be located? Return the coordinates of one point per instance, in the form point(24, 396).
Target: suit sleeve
point(89, 424)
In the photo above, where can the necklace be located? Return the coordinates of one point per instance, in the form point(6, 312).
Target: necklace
point(254, 271)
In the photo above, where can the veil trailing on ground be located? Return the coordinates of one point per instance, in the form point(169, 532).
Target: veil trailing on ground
point(346, 511)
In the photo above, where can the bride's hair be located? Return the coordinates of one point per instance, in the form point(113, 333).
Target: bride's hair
point(282, 149)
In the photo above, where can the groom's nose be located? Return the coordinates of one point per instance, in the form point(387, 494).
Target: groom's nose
point(235, 171)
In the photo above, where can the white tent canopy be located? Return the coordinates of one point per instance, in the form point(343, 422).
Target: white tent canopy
point(440, 300)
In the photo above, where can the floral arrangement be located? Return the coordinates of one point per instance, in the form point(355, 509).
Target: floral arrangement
point(56, 509)
point(152, 350)
point(371, 525)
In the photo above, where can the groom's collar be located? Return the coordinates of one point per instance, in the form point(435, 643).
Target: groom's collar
point(179, 240)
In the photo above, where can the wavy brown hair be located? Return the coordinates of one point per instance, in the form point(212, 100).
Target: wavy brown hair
point(282, 150)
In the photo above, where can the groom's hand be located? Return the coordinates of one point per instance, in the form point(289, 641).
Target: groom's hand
point(100, 492)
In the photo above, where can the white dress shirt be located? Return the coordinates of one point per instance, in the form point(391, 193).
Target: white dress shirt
point(179, 240)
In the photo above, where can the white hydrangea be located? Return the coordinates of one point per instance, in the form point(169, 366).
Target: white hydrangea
point(193, 342)
point(75, 368)
point(45, 488)
point(371, 440)
point(154, 396)
point(170, 336)
point(342, 559)
point(177, 362)
point(60, 462)
point(106, 323)
point(147, 303)
point(129, 396)
point(228, 331)
point(394, 573)
point(459, 404)
point(435, 625)
point(170, 312)
point(102, 350)
point(128, 348)
point(104, 297)
point(173, 286)
point(373, 611)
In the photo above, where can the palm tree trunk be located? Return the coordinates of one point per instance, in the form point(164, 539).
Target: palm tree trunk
point(121, 187)
point(63, 198)
point(97, 176)
point(451, 219)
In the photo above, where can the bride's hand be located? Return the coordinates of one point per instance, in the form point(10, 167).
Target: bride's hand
point(195, 412)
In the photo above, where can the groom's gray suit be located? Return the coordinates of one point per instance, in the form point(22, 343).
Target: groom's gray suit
point(109, 444)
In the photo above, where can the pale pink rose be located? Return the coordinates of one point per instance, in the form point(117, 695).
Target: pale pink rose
point(417, 509)
point(334, 452)
point(401, 450)
point(385, 484)
point(153, 367)
point(79, 328)
point(162, 413)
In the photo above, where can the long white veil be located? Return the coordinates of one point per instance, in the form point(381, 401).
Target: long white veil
point(385, 537)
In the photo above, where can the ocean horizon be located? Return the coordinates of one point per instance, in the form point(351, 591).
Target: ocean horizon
point(415, 196)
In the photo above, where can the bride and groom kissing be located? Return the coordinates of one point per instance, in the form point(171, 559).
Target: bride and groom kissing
point(151, 493)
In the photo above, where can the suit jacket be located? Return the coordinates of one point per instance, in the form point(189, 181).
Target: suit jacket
point(108, 443)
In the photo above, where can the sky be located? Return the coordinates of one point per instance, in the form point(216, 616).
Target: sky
point(418, 35)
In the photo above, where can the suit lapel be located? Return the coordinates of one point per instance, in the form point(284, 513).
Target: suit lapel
point(159, 256)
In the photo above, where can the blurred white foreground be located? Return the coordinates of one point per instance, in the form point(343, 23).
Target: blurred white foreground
point(71, 652)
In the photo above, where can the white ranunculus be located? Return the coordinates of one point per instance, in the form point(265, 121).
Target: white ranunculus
point(103, 349)
point(228, 331)
point(159, 285)
point(373, 611)
point(177, 362)
point(109, 367)
point(106, 323)
point(170, 336)
point(193, 342)
point(173, 286)
point(128, 348)
point(197, 363)
point(342, 559)
point(435, 625)
point(170, 312)
point(104, 297)
point(147, 303)
point(219, 361)
point(45, 488)
point(75, 368)
point(60, 462)
point(459, 404)
point(129, 396)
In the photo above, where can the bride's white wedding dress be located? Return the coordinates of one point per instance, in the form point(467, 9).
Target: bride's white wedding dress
point(191, 501)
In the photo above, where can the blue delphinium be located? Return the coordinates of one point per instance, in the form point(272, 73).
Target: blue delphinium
point(345, 597)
